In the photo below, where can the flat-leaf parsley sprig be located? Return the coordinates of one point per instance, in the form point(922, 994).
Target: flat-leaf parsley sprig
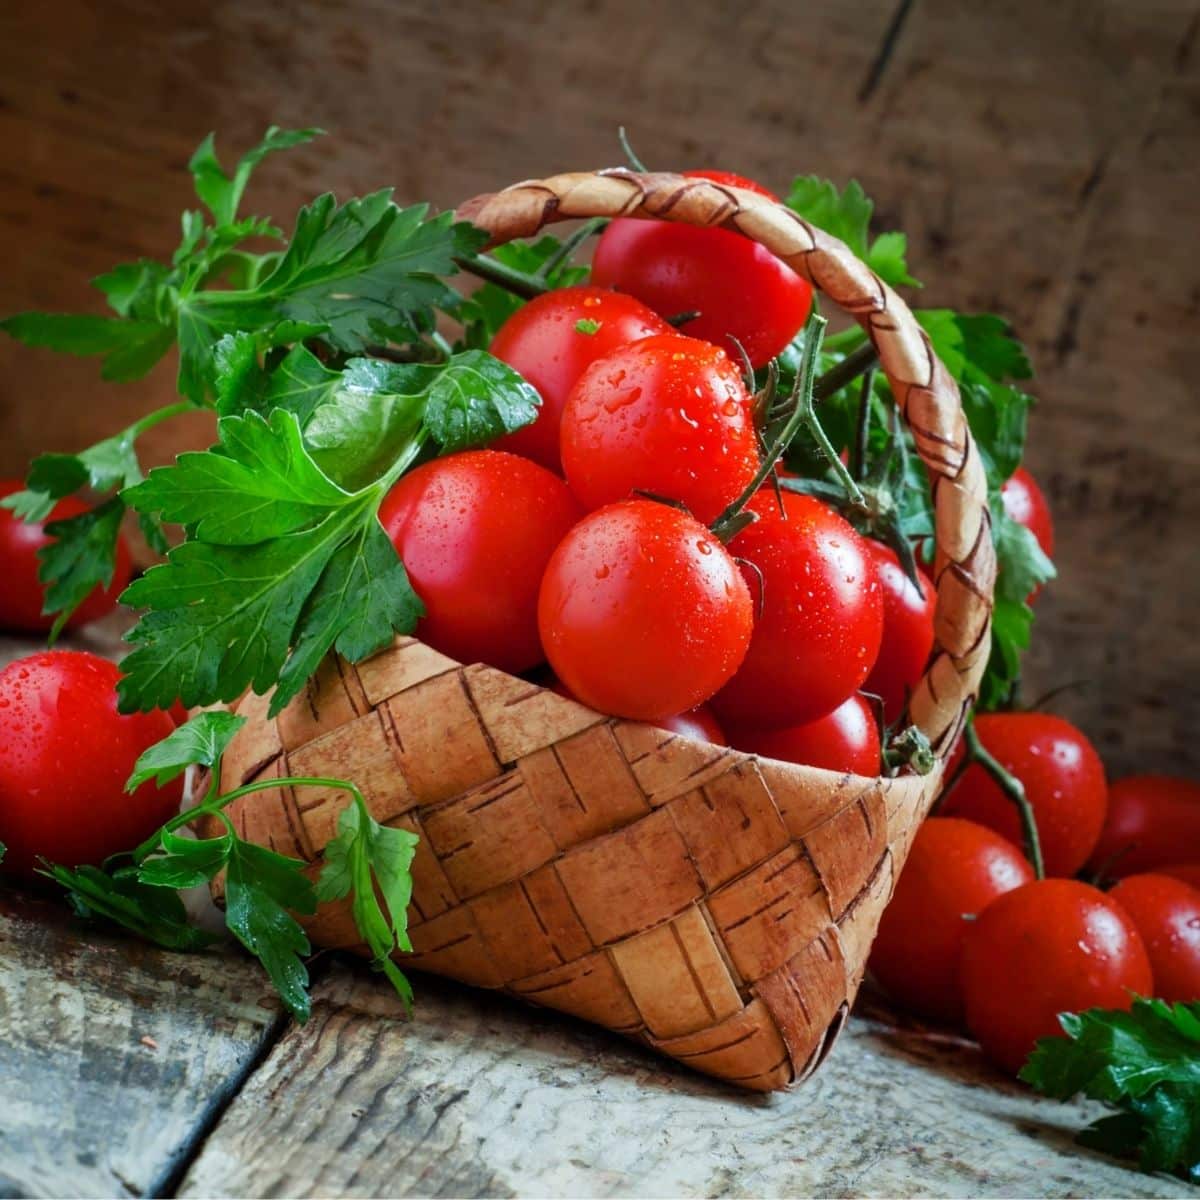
point(263, 890)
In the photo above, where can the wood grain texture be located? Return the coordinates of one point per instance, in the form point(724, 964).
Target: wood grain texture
point(114, 1056)
point(478, 1097)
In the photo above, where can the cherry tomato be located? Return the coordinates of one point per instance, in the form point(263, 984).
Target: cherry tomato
point(845, 740)
point(907, 630)
point(698, 725)
point(544, 342)
point(1026, 504)
point(730, 179)
point(740, 289)
point(1063, 778)
point(475, 531)
point(1152, 820)
point(21, 593)
point(955, 869)
point(1188, 873)
point(1052, 946)
point(667, 415)
point(642, 612)
point(820, 621)
point(1167, 915)
point(179, 713)
point(65, 754)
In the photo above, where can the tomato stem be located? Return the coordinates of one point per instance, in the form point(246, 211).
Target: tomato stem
point(520, 283)
point(862, 427)
point(735, 517)
point(1012, 788)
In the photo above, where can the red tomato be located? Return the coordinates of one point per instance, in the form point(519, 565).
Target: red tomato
point(21, 594)
point(65, 754)
point(1152, 820)
point(178, 712)
point(1026, 504)
point(1063, 778)
point(729, 179)
point(955, 869)
point(740, 288)
point(907, 630)
point(1167, 915)
point(818, 630)
point(1188, 873)
point(543, 342)
point(642, 612)
point(667, 415)
point(475, 531)
point(698, 725)
point(845, 740)
point(1052, 946)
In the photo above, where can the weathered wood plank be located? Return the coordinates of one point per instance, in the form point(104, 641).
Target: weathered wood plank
point(114, 1055)
point(478, 1096)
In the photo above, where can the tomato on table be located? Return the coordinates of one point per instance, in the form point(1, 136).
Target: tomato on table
point(955, 869)
point(668, 415)
point(1063, 779)
point(845, 740)
point(552, 340)
point(22, 594)
point(739, 288)
point(1152, 820)
point(907, 630)
point(65, 754)
point(1052, 946)
point(642, 612)
point(475, 566)
point(820, 618)
point(1166, 913)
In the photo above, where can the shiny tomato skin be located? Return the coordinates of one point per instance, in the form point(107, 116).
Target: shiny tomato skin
point(1052, 946)
point(668, 415)
point(1166, 912)
point(642, 612)
point(21, 593)
point(542, 342)
point(739, 288)
point(819, 621)
point(907, 630)
point(697, 725)
point(955, 869)
point(65, 754)
point(1063, 779)
point(1152, 820)
point(845, 740)
point(730, 179)
point(475, 531)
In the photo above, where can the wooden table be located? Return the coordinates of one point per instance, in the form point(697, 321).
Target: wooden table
point(129, 1070)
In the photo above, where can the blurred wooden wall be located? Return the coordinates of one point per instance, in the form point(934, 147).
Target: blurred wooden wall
point(1042, 157)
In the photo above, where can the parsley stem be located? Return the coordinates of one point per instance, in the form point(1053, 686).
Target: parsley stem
point(570, 245)
point(635, 163)
point(849, 369)
point(520, 283)
point(159, 415)
point(1013, 790)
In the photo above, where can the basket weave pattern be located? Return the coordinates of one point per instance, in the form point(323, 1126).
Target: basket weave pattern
point(717, 906)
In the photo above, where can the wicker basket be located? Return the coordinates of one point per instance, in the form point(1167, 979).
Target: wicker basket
point(717, 906)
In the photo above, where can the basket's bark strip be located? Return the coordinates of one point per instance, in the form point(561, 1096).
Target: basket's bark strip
point(718, 907)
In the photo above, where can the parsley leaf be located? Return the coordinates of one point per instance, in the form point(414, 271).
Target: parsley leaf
point(199, 742)
point(1146, 1063)
point(847, 216)
point(128, 347)
point(373, 861)
point(81, 556)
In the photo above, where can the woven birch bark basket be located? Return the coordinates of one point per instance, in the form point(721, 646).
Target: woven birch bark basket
point(714, 905)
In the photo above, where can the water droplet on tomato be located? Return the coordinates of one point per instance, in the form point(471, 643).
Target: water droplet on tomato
point(602, 571)
point(703, 547)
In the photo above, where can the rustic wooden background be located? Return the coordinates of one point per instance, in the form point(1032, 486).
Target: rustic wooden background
point(1042, 158)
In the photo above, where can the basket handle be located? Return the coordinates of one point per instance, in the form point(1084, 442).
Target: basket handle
point(965, 560)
